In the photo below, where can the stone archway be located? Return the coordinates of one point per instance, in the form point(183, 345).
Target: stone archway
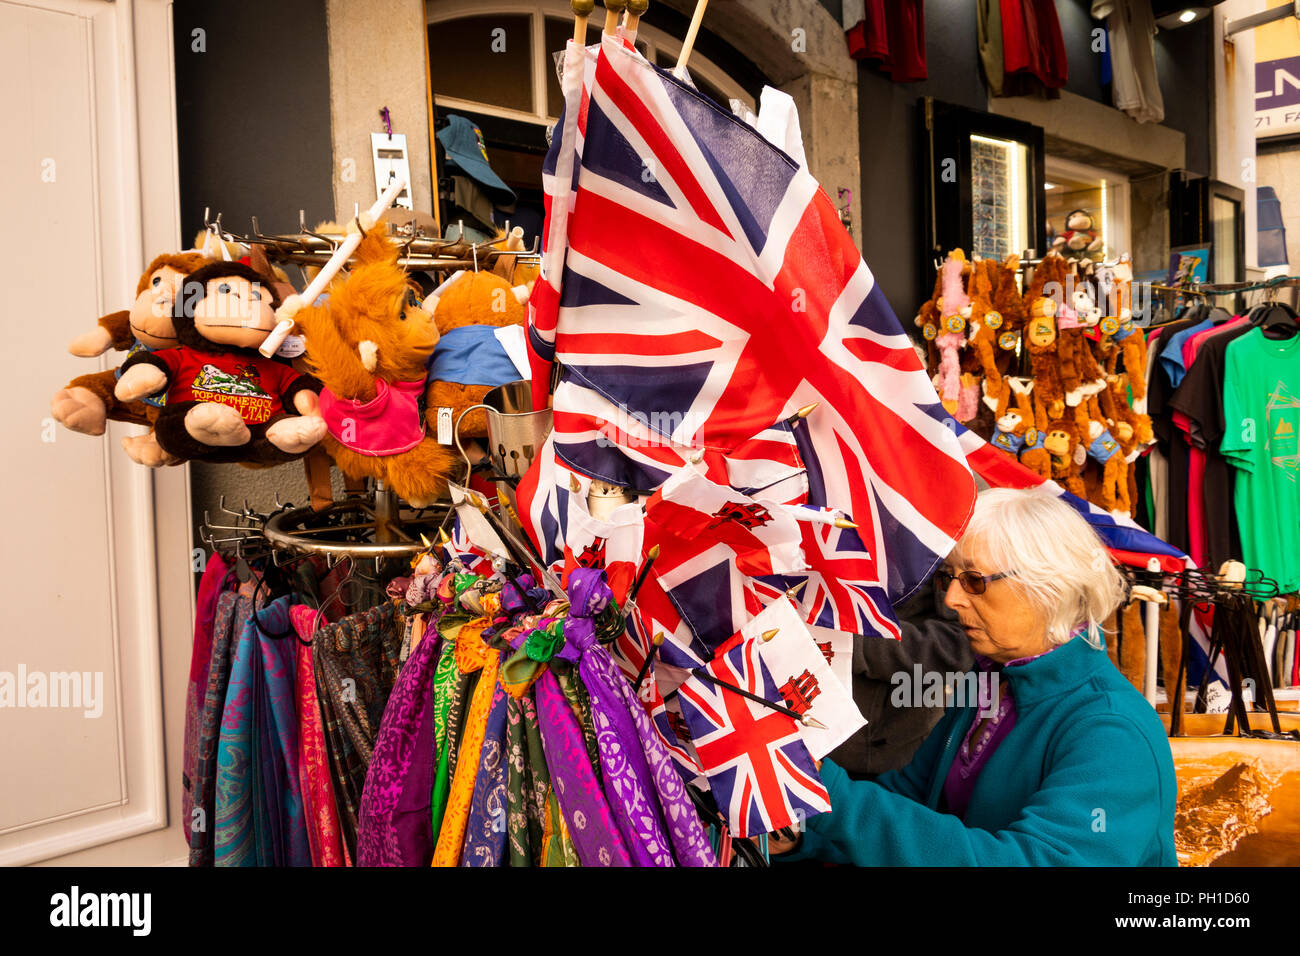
point(801, 47)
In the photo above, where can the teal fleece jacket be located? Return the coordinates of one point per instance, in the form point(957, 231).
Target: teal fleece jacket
point(1085, 777)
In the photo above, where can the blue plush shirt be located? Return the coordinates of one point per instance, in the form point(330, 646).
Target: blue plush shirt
point(1084, 778)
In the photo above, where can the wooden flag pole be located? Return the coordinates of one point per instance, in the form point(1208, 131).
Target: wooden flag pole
point(581, 10)
point(613, 10)
point(689, 43)
point(635, 10)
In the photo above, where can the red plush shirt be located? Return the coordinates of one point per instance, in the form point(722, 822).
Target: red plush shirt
point(252, 385)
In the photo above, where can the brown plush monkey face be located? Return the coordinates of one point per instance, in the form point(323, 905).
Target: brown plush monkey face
point(234, 311)
point(151, 315)
point(1010, 422)
point(1058, 442)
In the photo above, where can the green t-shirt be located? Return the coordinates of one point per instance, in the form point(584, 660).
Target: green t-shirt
point(1261, 413)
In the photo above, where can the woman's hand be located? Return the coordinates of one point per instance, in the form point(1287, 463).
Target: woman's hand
point(782, 841)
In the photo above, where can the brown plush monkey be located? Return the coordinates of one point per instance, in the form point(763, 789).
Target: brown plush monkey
point(225, 402)
point(88, 402)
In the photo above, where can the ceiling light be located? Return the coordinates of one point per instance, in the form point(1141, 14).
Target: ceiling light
point(1172, 21)
point(1049, 185)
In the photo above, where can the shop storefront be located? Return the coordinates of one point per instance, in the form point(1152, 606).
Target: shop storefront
point(594, 412)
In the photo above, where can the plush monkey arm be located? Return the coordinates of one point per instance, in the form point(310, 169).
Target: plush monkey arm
point(301, 395)
point(112, 331)
point(336, 364)
point(142, 374)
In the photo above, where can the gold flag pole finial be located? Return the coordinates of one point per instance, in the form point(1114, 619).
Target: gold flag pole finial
point(635, 10)
point(581, 10)
point(768, 635)
point(613, 10)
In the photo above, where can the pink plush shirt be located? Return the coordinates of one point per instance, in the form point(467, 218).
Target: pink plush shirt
point(388, 424)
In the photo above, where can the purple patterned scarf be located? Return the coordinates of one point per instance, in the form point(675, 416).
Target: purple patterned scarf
point(640, 781)
point(393, 828)
point(591, 824)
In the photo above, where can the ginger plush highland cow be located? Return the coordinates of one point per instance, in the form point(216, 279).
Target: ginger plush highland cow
point(370, 344)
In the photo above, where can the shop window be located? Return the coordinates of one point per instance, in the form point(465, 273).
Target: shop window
point(999, 171)
point(1103, 195)
point(983, 186)
point(485, 59)
point(1225, 216)
point(498, 59)
point(495, 63)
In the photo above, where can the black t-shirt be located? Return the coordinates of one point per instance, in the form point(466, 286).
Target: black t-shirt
point(1168, 437)
point(1200, 398)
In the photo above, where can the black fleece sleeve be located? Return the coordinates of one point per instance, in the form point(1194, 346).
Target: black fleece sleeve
point(931, 637)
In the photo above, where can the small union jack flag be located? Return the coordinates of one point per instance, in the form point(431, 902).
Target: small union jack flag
point(759, 769)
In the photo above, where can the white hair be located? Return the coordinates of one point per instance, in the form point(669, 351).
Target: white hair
point(1058, 562)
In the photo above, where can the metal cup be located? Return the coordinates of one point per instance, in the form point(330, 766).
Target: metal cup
point(515, 434)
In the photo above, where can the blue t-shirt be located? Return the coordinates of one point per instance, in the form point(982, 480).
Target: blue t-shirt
point(1171, 356)
point(472, 355)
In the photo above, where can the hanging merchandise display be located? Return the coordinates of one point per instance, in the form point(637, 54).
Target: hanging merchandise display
point(1072, 417)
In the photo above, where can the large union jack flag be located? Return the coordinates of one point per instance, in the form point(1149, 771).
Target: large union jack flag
point(698, 289)
point(757, 764)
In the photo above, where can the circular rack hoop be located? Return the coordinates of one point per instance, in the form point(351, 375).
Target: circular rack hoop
point(361, 527)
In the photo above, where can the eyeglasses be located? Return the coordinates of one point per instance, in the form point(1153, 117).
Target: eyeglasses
point(972, 582)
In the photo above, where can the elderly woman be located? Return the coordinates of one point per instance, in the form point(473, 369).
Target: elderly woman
point(1069, 766)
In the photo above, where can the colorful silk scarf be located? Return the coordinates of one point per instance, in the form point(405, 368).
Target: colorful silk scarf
point(644, 790)
point(232, 613)
point(446, 680)
point(472, 654)
point(259, 819)
point(356, 666)
point(486, 830)
point(287, 831)
point(211, 588)
point(547, 836)
point(525, 844)
point(590, 822)
point(313, 761)
point(393, 829)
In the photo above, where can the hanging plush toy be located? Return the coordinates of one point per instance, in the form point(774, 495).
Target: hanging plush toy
point(1016, 427)
point(1047, 283)
point(481, 319)
point(1111, 490)
point(1081, 376)
point(927, 320)
point(88, 402)
point(369, 344)
point(1010, 307)
point(985, 322)
point(225, 402)
point(1068, 454)
point(1079, 240)
point(954, 310)
point(1131, 341)
point(1033, 453)
point(1131, 429)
